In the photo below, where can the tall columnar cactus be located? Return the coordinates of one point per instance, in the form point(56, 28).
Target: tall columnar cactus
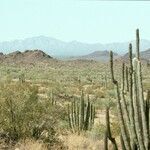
point(147, 111)
point(87, 117)
point(82, 110)
point(81, 117)
point(108, 134)
point(134, 118)
point(127, 78)
point(137, 44)
point(51, 97)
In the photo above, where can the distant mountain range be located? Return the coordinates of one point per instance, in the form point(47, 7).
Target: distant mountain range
point(38, 56)
point(104, 56)
point(55, 47)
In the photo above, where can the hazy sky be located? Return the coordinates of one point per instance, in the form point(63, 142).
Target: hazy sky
point(85, 21)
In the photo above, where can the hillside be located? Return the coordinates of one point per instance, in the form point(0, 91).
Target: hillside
point(27, 57)
point(145, 56)
point(102, 56)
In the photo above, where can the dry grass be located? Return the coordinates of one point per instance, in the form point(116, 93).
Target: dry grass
point(79, 142)
point(30, 145)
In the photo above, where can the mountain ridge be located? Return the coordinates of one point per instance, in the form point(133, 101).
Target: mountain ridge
point(104, 56)
point(144, 55)
point(56, 47)
point(39, 56)
point(26, 57)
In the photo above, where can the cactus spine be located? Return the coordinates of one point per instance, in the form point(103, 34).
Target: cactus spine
point(134, 118)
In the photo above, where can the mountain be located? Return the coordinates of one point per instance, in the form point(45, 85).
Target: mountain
point(26, 57)
point(97, 56)
point(55, 47)
point(144, 55)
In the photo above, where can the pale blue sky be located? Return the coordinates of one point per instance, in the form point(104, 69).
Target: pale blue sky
point(85, 21)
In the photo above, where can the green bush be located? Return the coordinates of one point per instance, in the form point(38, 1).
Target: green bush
point(24, 115)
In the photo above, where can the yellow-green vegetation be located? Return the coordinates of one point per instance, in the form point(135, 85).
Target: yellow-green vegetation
point(73, 105)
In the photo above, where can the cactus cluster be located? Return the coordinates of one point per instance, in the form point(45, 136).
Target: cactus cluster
point(104, 81)
point(133, 108)
point(81, 115)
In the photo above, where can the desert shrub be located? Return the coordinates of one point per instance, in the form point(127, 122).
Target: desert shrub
point(97, 132)
point(24, 115)
point(89, 90)
point(30, 145)
point(100, 93)
point(17, 102)
point(115, 128)
point(80, 142)
point(111, 93)
point(102, 103)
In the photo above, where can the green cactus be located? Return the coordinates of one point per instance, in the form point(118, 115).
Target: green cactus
point(105, 141)
point(120, 111)
point(87, 117)
point(51, 97)
point(82, 112)
point(134, 118)
point(147, 111)
point(137, 44)
point(69, 118)
point(81, 118)
point(127, 78)
point(108, 133)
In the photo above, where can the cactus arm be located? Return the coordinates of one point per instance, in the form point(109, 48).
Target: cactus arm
point(137, 44)
point(109, 135)
point(142, 105)
point(136, 109)
point(86, 123)
point(131, 108)
point(120, 113)
point(105, 141)
point(147, 110)
point(82, 112)
point(69, 118)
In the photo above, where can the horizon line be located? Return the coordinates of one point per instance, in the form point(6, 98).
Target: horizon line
point(115, 42)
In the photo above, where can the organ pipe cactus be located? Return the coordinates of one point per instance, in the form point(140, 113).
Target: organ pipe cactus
point(81, 117)
point(134, 117)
